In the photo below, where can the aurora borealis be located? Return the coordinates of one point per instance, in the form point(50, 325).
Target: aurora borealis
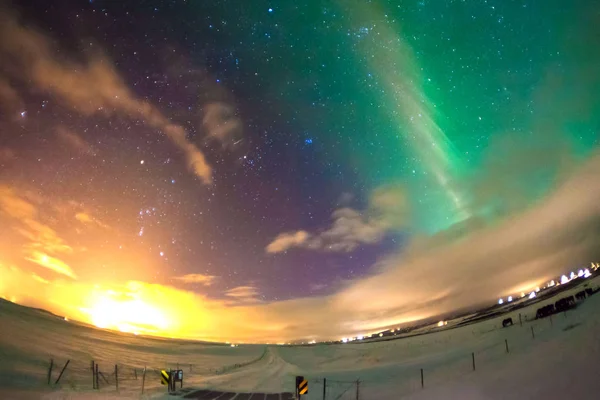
point(286, 170)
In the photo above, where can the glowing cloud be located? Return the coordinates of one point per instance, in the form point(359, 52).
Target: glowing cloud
point(206, 280)
point(51, 263)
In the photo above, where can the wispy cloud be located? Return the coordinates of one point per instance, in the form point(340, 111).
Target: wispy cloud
point(287, 240)
point(38, 235)
point(388, 210)
point(75, 141)
point(86, 218)
point(91, 87)
point(205, 280)
point(221, 123)
point(244, 294)
point(51, 263)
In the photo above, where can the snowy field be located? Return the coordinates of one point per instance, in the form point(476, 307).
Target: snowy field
point(559, 362)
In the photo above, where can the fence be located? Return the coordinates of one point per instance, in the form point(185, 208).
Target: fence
point(82, 375)
point(421, 371)
point(483, 352)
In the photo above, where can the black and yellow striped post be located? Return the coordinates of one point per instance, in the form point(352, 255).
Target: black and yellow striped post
point(301, 386)
point(165, 378)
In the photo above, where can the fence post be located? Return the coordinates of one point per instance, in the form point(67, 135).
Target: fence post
point(143, 379)
point(324, 388)
point(135, 373)
point(93, 379)
point(357, 389)
point(422, 381)
point(97, 380)
point(50, 370)
point(532, 333)
point(61, 372)
point(506, 343)
point(473, 357)
point(117, 377)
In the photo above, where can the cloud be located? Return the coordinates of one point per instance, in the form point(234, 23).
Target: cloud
point(221, 123)
point(246, 294)
point(91, 87)
point(86, 218)
point(75, 141)
point(40, 236)
point(285, 241)
point(9, 98)
point(206, 280)
point(387, 211)
point(439, 274)
point(51, 263)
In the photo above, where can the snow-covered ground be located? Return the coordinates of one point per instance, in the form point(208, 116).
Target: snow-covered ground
point(560, 362)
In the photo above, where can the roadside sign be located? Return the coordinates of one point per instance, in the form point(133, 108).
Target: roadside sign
point(164, 377)
point(301, 385)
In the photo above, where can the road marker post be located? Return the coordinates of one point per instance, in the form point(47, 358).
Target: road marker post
point(301, 386)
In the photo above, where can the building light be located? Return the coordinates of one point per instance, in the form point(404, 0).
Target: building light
point(531, 295)
point(500, 301)
point(509, 299)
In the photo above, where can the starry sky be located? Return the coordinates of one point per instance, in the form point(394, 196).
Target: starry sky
point(285, 170)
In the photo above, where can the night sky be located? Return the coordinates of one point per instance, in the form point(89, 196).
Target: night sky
point(267, 158)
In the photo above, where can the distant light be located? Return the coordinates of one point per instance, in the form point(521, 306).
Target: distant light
point(308, 141)
point(552, 283)
point(509, 299)
point(441, 323)
point(531, 295)
point(564, 279)
point(537, 289)
point(500, 301)
point(23, 113)
point(360, 337)
point(162, 253)
point(66, 319)
point(344, 340)
point(580, 273)
point(522, 294)
point(587, 273)
point(270, 10)
point(381, 334)
point(142, 162)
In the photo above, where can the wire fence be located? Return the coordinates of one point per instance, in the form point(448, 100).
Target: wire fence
point(78, 375)
point(484, 351)
point(430, 368)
